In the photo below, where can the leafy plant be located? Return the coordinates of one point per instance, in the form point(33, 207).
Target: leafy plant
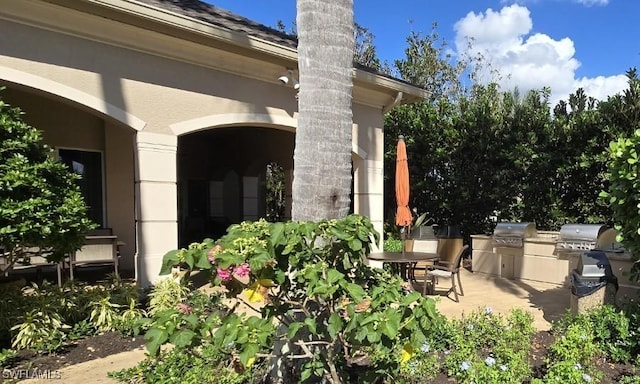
point(40, 331)
point(624, 166)
point(104, 314)
point(41, 209)
point(166, 294)
point(612, 333)
point(576, 345)
point(193, 366)
point(310, 277)
point(7, 356)
point(189, 323)
point(614, 330)
point(567, 372)
point(392, 245)
point(131, 320)
point(487, 348)
point(81, 330)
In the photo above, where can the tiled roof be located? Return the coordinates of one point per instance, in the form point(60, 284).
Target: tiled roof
point(222, 18)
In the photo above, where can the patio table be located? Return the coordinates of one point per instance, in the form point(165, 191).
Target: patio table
point(404, 259)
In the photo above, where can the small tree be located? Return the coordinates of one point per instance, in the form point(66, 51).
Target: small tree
point(624, 167)
point(41, 209)
point(275, 192)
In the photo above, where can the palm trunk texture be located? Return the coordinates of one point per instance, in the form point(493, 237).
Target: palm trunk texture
point(322, 156)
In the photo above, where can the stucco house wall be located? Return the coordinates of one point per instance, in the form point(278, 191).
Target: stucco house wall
point(127, 79)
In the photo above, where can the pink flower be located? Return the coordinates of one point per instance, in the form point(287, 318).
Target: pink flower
point(184, 308)
point(224, 274)
point(242, 270)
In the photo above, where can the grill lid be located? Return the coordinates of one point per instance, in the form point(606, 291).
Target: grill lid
point(515, 229)
point(513, 234)
point(580, 236)
point(607, 241)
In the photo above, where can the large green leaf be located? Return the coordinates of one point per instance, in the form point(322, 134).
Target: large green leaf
point(183, 338)
point(293, 328)
point(356, 292)
point(249, 351)
point(155, 337)
point(334, 325)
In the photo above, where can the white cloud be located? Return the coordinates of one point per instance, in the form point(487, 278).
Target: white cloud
point(528, 61)
point(589, 3)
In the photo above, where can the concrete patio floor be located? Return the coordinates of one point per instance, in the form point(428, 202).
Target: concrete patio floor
point(547, 302)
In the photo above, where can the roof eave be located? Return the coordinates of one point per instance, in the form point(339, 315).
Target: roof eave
point(164, 19)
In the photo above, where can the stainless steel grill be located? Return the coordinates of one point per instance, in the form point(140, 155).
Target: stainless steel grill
point(593, 264)
point(512, 235)
point(581, 237)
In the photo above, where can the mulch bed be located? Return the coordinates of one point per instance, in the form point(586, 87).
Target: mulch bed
point(91, 348)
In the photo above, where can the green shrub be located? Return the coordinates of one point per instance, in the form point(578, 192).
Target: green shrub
point(104, 314)
point(568, 372)
point(392, 245)
point(310, 277)
point(484, 347)
point(41, 206)
point(206, 365)
point(166, 294)
point(623, 173)
point(612, 333)
point(7, 356)
point(615, 332)
point(577, 344)
point(40, 331)
point(39, 317)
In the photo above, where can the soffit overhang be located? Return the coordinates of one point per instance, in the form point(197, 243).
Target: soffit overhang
point(151, 29)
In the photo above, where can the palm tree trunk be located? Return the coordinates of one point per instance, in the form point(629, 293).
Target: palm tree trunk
point(322, 156)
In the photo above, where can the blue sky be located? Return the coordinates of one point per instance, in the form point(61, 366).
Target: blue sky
point(563, 44)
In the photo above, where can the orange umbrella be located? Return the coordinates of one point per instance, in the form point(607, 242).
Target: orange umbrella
point(403, 214)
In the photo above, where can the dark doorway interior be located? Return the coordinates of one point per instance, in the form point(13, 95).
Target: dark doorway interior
point(222, 178)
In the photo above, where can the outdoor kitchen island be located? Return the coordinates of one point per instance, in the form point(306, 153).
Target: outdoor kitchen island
point(541, 260)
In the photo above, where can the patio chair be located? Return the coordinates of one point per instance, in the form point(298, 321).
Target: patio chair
point(100, 248)
point(446, 269)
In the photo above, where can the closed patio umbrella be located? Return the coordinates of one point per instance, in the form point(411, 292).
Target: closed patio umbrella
point(403, 213)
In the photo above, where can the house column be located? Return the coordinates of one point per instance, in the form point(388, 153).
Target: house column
point(156, 203)
point(369, 195)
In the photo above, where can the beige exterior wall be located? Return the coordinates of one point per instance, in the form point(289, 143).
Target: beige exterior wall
point(94, 83)
point(119, 188)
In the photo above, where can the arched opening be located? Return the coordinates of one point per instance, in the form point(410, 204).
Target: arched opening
point(98, 147)
point(222, 175)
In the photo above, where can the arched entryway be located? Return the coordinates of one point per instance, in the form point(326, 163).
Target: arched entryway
point(100, 148)
point(222, 176)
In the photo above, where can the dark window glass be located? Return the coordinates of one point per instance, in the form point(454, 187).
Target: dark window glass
point(89, 166)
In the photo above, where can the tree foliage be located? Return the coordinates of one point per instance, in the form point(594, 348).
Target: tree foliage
point(624, 167)
point(41, 208)
point(482, 154)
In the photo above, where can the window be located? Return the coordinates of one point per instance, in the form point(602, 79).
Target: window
point(88, 165)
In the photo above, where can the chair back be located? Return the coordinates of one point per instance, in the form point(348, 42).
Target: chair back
point(454, 267)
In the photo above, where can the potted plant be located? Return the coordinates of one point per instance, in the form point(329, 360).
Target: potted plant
point(421, 229)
